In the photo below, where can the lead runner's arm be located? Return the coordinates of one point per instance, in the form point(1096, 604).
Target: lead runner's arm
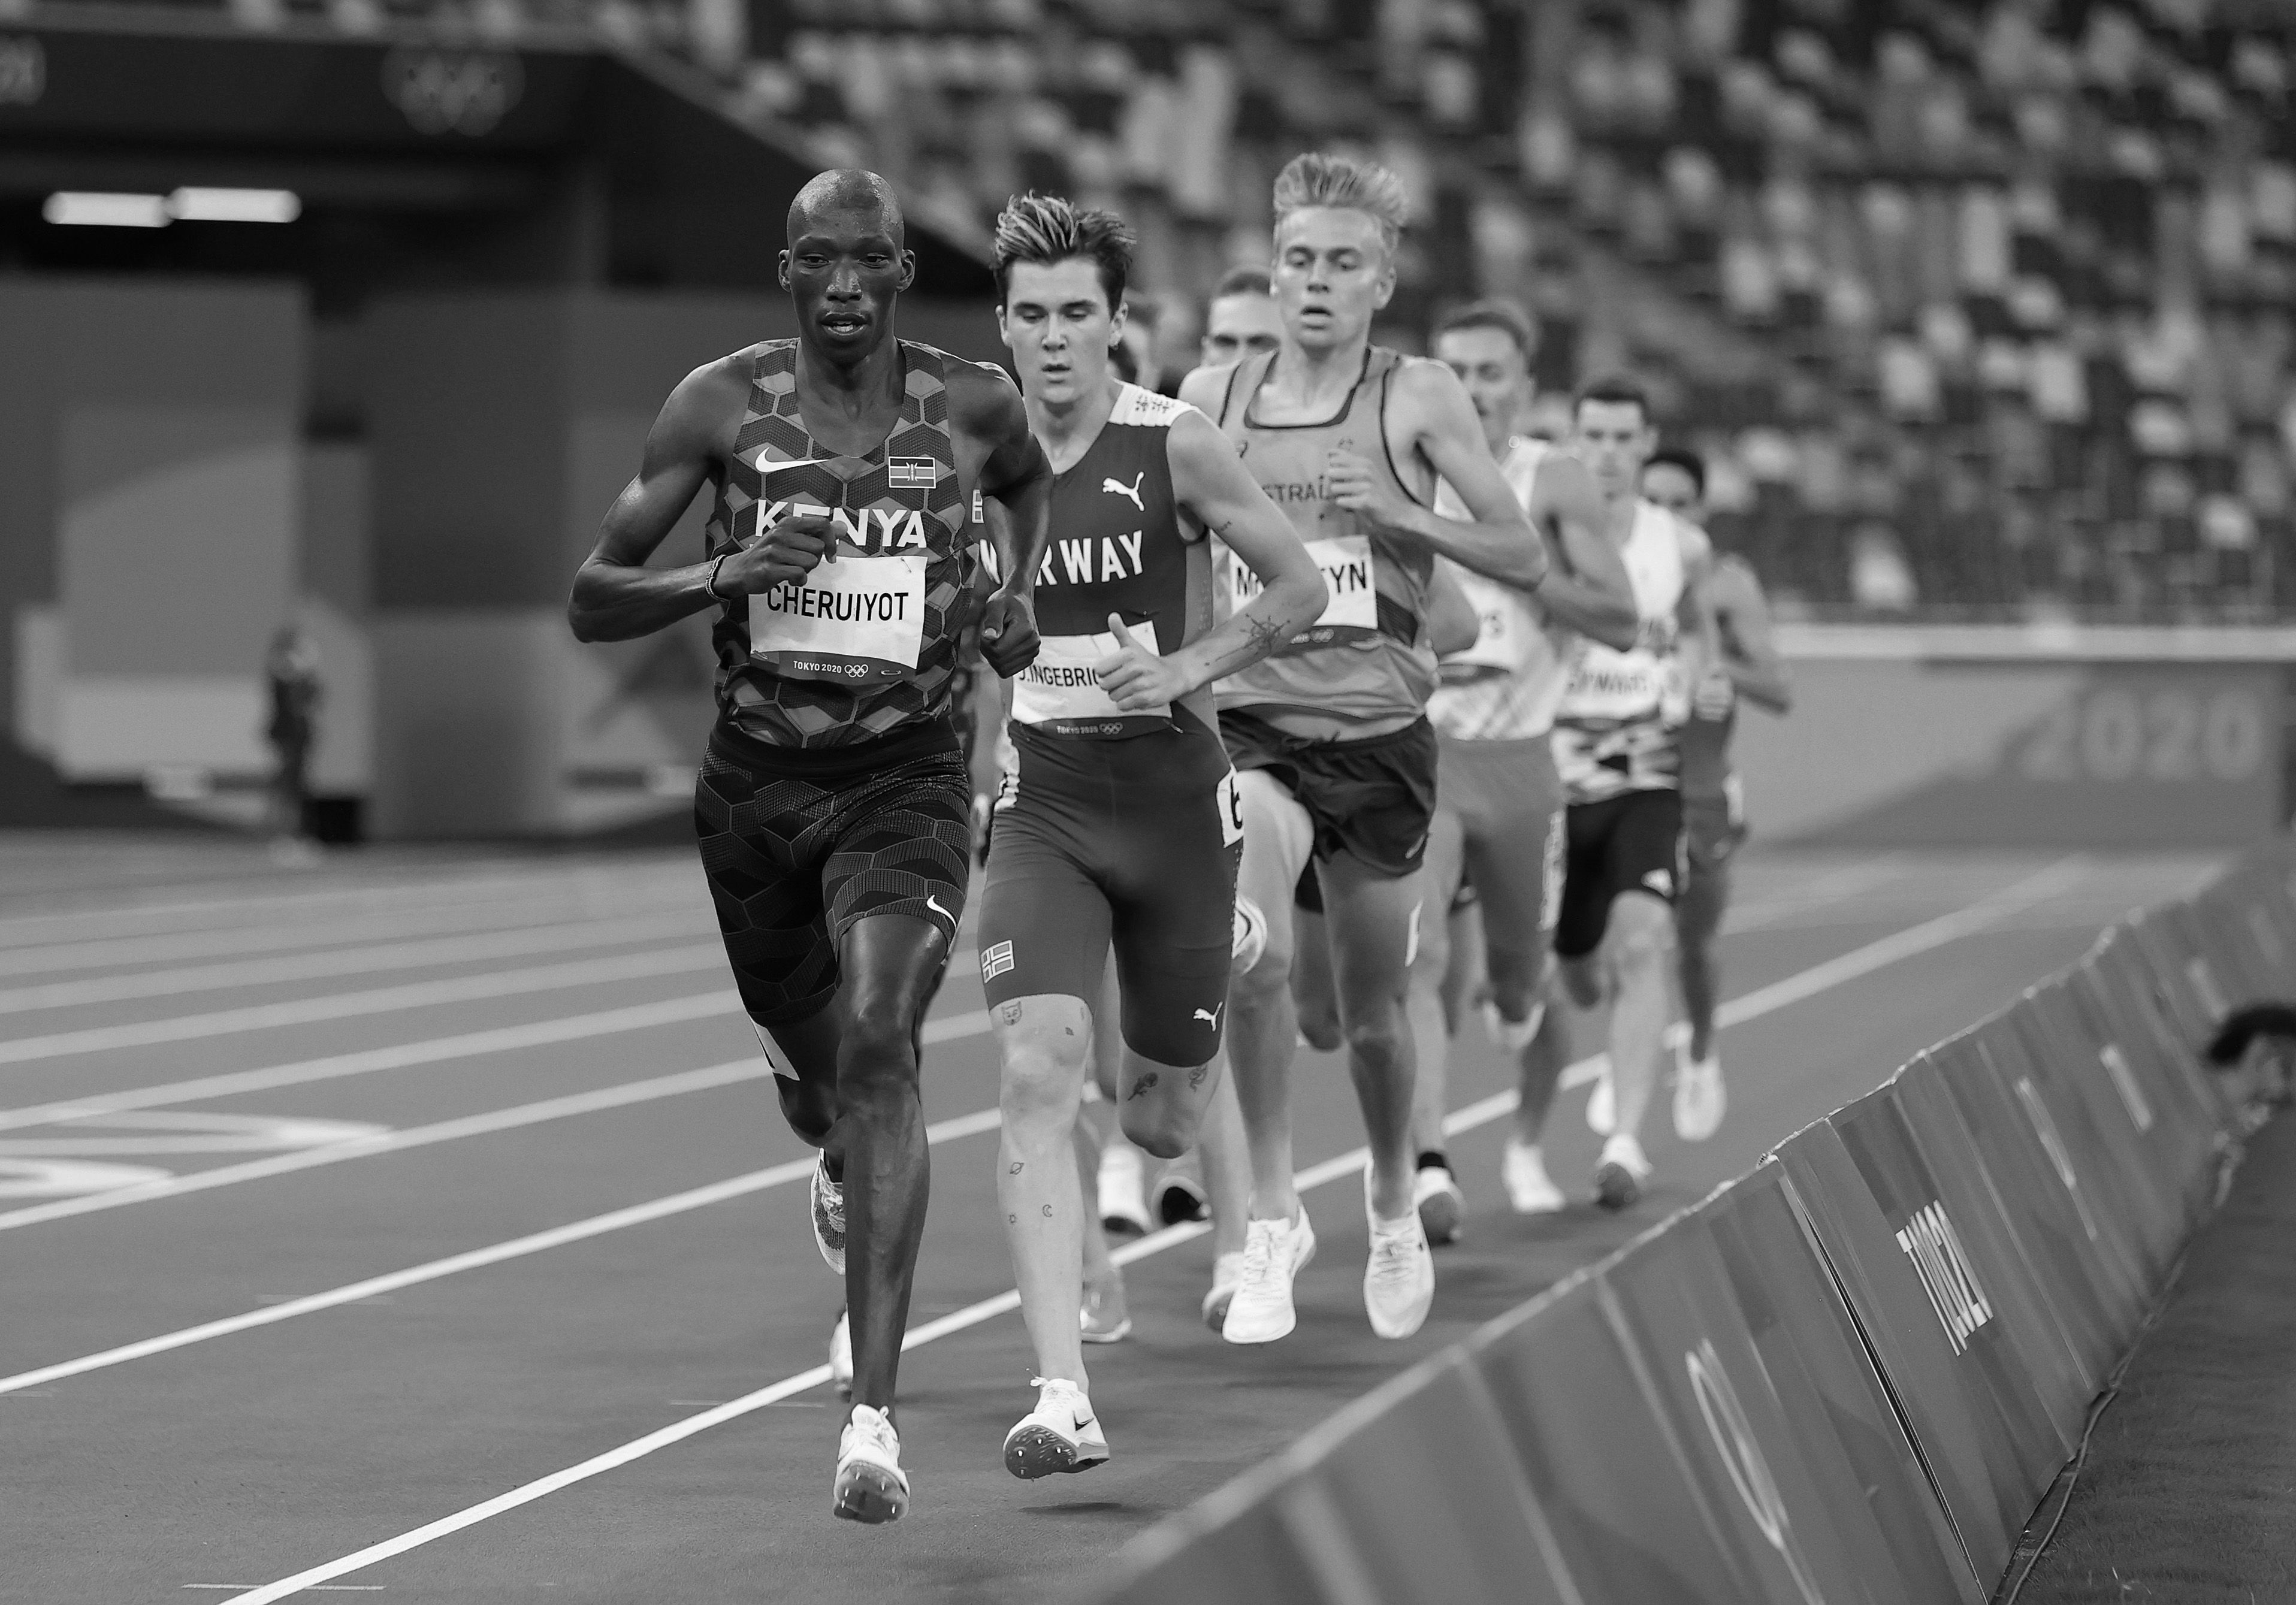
point(1210, 482)
point(616, 596)
point(1756, 669)
point(1440, 422)
point(1016, 473)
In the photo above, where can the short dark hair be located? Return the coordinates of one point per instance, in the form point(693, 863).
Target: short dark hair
point(1620, 390)
point(1251, 279)
point(1682, 458)
point(1497, 311)
point(1046, 229)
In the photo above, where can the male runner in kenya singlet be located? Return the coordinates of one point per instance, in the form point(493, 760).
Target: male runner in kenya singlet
point(1118, 822)
point(833, 807)
point(1498, 802)
point(1330, 733)
point(1615, 748)
point(1713, 806)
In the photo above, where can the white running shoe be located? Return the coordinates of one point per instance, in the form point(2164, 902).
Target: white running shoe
point(1274, 1253)
point(1442, 1207)
point(1525, 1172)
point(1248, 937)
point(1699, 1098)
point(1122, 1208)
point(1227, 1275)
point(1102, 1317)
point(871, 1486)
point(841, 1355)
point(1602, 1106)
point(1514, 1035)
point(828, 1216)
point(1061, 1434)
point(1400, 1275)
point(1620, 1172)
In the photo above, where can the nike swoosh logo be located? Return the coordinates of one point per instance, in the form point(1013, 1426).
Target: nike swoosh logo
point(933, 903)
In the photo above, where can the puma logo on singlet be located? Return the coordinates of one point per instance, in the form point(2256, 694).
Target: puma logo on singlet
point(1211, 1017)
point(1130, 493)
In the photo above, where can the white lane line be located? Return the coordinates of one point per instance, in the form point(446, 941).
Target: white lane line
point(557, 907)
point(348, 1005)
point(1848, 882)
point(436, 1050)
point(450, 886)
point(1794, 990)
point(729, 1074)
point(619, 930)
point(573, 1231)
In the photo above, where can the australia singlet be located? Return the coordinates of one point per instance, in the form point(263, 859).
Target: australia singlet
point(1508, 685)
point(866, 643)
point(1365, 660)
point(1615, 730)
point(1114, 550)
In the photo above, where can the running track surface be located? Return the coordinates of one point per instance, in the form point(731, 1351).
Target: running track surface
point(409, 1056)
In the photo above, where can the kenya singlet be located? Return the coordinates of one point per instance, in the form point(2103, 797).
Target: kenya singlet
point(865, 643)
point(1119, 546)
point(1507, 686)
point(1616, 728)
point(1366, 661)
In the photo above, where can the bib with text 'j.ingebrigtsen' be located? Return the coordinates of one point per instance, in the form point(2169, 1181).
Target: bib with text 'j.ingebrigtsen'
point(1061, 692)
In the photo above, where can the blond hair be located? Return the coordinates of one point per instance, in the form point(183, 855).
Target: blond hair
point(1320, 178)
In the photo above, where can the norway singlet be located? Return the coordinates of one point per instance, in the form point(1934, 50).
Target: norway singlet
point(1366, 661)
point(1113, 829)
point(865, 643)
point(1615, 730)
point(1507, 686)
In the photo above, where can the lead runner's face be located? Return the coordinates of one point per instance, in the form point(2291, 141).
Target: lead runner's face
point(1056, 320)
point(844, 271)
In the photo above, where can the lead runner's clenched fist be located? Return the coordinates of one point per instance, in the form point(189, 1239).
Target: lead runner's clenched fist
point(782, 555)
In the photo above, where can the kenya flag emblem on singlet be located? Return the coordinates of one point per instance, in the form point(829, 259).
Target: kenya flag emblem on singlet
point(910, 473)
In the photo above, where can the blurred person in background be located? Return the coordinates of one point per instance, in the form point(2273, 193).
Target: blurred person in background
point(1498, 801)
point(290, 673)
point(1241, 319)
point(834, 807)
point(1713, 802)
point(1616, 748)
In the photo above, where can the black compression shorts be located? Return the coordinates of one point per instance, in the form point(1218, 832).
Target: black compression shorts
point(1374, 799)
point(1131, 844)
point(798, 845)
point(1629, 843)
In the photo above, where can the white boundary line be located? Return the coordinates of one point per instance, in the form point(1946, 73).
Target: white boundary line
point(436, 1050)
point(348, 1006)
point(731, 1072)
point(1794, 990)
point(556, 908)
point(523, 942)
point(447, 886)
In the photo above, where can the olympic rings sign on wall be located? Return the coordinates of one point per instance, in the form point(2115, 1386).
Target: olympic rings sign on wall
point(465, 92)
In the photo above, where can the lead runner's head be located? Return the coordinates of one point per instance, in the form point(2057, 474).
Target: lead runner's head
point(1060, 271)
point(1339, 223)
point(846, 263)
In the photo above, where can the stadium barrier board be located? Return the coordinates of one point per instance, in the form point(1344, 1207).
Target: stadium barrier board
point(1848, 1375)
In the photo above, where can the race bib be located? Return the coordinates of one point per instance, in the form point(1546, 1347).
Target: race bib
point(1611, 687)
point(1352, 611)
point(1501, 637)
point(1060, 694)
point(856, 618)
point(1231, 810)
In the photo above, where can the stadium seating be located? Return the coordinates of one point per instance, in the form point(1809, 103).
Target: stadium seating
point(1981, 310)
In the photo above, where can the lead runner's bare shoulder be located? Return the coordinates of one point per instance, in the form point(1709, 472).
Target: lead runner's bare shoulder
point(990, 425)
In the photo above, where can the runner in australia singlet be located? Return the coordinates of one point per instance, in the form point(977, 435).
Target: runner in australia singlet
point(1506, 686)
point(1615, 730)
point(867, 642)
point(1366, 661)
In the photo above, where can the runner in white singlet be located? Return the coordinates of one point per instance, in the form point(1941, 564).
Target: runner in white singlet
point(1498, 804)
point(1615, 747)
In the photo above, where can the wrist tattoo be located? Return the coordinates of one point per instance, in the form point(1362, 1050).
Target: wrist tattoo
point(1263, 636)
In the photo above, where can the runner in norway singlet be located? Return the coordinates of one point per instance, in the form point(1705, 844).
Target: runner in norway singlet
point(1365, 664)
point(1616, 728)
point(865, 643)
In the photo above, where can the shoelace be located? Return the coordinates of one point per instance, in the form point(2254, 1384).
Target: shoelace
point(1391, 1251)
point(878, 1433)
point(1259, 1251)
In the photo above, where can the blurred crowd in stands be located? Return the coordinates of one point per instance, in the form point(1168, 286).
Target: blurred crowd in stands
point(1980, 308)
